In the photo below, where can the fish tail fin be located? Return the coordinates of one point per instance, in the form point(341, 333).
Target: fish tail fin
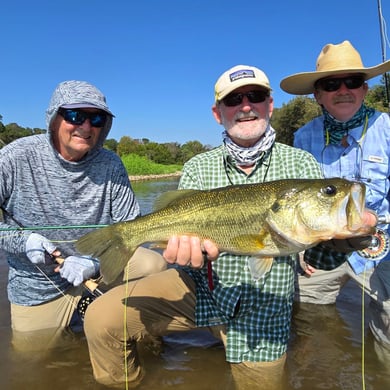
point(107, 245)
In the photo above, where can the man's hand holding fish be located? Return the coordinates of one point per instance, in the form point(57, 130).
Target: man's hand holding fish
point(186, 250)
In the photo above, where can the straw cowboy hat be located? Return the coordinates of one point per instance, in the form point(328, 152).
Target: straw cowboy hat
point(333, 60)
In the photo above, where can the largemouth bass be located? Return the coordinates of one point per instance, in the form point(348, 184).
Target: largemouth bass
point(262, 220)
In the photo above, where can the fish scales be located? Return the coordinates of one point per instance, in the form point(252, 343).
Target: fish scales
point(205, 214)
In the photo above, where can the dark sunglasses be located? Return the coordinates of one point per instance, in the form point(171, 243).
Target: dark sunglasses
point(331, 85)
point(78, 117)
point(234, 99)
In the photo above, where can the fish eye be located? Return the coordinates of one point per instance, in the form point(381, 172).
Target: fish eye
point(329, 190)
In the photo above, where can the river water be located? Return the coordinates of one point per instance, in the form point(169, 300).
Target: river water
point(326, 349)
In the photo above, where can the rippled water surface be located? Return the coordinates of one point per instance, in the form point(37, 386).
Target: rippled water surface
point(325, 351)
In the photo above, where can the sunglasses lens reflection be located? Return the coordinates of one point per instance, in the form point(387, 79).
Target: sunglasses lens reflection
point(334, 84)
point(235, 99)
point(77, 117)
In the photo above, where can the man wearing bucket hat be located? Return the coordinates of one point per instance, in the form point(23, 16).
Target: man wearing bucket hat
point(60, 180)
point(349, 140)
point(233, 299)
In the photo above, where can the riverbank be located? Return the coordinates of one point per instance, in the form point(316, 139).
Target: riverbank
point(153, 177)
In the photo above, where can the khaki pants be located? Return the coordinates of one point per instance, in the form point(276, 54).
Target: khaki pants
point(150, 308)
point(323, 287)
point(43, 326)
point(260, 375)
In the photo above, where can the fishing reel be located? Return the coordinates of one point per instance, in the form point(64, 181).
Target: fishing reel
point(83, 304)
point(90, 294)
point(380, 243)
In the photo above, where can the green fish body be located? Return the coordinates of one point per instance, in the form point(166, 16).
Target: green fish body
point(262, 220)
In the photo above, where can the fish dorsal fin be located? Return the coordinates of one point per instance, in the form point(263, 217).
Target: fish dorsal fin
point(170, 197)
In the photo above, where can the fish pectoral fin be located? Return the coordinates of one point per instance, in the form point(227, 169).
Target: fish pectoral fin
point(259, 266)
point(249, 243)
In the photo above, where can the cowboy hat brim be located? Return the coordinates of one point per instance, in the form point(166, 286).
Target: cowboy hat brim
point(303, 83)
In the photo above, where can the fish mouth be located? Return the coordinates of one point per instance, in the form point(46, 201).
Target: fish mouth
point(354, 210)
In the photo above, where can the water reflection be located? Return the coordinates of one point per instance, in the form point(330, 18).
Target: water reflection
point(325, 351)
point(147, 191)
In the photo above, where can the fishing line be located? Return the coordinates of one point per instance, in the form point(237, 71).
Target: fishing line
point(125, 329)
point(50, 227)
point(363, 330)
point(57, 288)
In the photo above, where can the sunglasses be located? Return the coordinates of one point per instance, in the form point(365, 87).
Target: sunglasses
point(331, 85)
point(78, 117)
point(234, 99)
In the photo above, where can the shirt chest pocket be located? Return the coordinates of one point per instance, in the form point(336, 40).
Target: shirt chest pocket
point(375, 172)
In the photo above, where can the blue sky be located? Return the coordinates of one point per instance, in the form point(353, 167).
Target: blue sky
point(157, 60)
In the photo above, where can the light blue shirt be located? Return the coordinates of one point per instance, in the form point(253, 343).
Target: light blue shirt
point(366, 159)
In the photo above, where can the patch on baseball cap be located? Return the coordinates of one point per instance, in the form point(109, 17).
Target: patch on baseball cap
point(239, 76)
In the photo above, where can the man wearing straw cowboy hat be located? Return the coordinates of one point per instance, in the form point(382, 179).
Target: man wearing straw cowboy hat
point(349, 140)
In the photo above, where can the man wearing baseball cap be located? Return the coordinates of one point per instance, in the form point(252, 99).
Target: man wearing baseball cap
point(349, 140)
point(242, 301)
point(51, 183)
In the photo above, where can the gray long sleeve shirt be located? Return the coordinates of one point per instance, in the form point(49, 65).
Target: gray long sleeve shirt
point(41, 189)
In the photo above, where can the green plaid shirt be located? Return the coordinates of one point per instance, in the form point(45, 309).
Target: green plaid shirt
point(256, 312)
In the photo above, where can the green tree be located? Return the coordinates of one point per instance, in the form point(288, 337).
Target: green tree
point(2, 142)
point(126, 145)
point(158, 153)
point(111, 144)
point(175, 152)
point(377, 96)
point(13, 131)
point(191, 149)
point(293, 115)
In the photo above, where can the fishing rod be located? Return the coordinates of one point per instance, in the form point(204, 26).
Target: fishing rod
point(381, 23)
point(91, 285)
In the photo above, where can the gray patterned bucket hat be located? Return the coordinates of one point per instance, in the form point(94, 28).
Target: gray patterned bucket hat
point(76, 94)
